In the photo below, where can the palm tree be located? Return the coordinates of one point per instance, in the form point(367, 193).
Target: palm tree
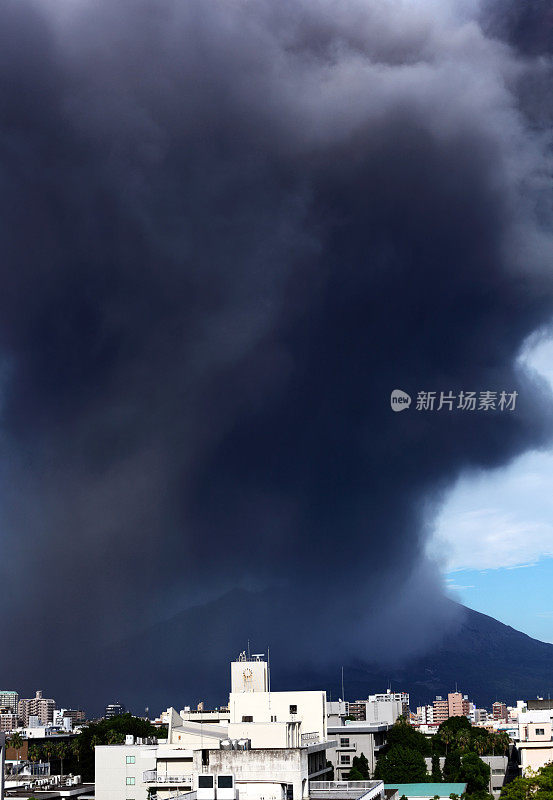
point(503, 741)
point(33, 754)
point(446, 737)
point(61, 752)
point(16, 742)
point(75, 748)
point(49, 749)
point(463, 740)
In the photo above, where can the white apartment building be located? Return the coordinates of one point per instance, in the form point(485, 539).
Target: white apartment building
point(535, 740)
point(269, 748)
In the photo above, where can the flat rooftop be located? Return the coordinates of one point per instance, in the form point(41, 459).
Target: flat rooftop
point(427, 789)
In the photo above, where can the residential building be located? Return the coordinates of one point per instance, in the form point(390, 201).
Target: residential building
point(401, 699)
point(441, 710)
point(114, 710)
point(425, 715)
point(9, 700)
point(37, 706)
point(479, 716)
point(458, 705)
point(499, 711)
point(8, 721)
point(353, 739)
point(61, 715)
point(535, 740)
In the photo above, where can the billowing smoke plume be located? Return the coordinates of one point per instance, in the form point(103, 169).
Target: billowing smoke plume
point(229, 229)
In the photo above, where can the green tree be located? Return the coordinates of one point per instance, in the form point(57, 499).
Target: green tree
point(361, 763)
point(436, 769)
point(475, 773)
point(354, 775)
point(61, 751)
point(33, 753)
point(452, 765)
point(463, 740)
point(455, 725)
point(16, 743)
point(534, 786)
point(401, 765)
point(402, 734)
point(75, 747)
point(115, 728)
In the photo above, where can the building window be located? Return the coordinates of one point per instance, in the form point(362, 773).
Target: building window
point(293, 709)
point(344, 760)
point(247, 719)
point(344, 742)
point(273, 718)
point(130, 781)
point(131, 759)
point(540, 731)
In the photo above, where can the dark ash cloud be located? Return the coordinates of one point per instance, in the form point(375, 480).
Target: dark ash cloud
point(229, 230)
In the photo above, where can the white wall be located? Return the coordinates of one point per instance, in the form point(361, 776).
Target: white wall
point(112, 771)
point(275, 707)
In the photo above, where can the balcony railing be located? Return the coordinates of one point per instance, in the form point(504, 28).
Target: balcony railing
point(309, 738)
point(153, 776)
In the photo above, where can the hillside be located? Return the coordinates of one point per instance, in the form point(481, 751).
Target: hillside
point(185, 659)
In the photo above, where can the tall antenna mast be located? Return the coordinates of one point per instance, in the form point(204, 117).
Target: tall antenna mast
point(343, 695)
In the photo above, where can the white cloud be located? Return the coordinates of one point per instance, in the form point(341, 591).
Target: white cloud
point(502, 518)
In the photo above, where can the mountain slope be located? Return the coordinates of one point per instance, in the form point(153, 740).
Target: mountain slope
point(186, 659)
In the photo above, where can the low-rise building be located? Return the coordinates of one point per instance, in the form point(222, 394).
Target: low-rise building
point(535, 740)
point(426, 791)
point(353, 739)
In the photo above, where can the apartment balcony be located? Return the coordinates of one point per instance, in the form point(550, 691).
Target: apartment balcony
point(164, 778)
point(350, 746)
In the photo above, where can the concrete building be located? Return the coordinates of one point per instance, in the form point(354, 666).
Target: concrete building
point(535, 740)
point(37, 706)
point(75, 715)
point(458, 705)
point(440, 710)
point(425, 715)
point(353, 739)
point(114, 710)
point(498, 770)
point(9, 700)
point(499, 711)
point(8, 721)
point(269, 748)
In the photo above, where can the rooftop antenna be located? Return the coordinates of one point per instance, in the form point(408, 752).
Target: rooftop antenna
point(343, 695)
point(248, 650)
